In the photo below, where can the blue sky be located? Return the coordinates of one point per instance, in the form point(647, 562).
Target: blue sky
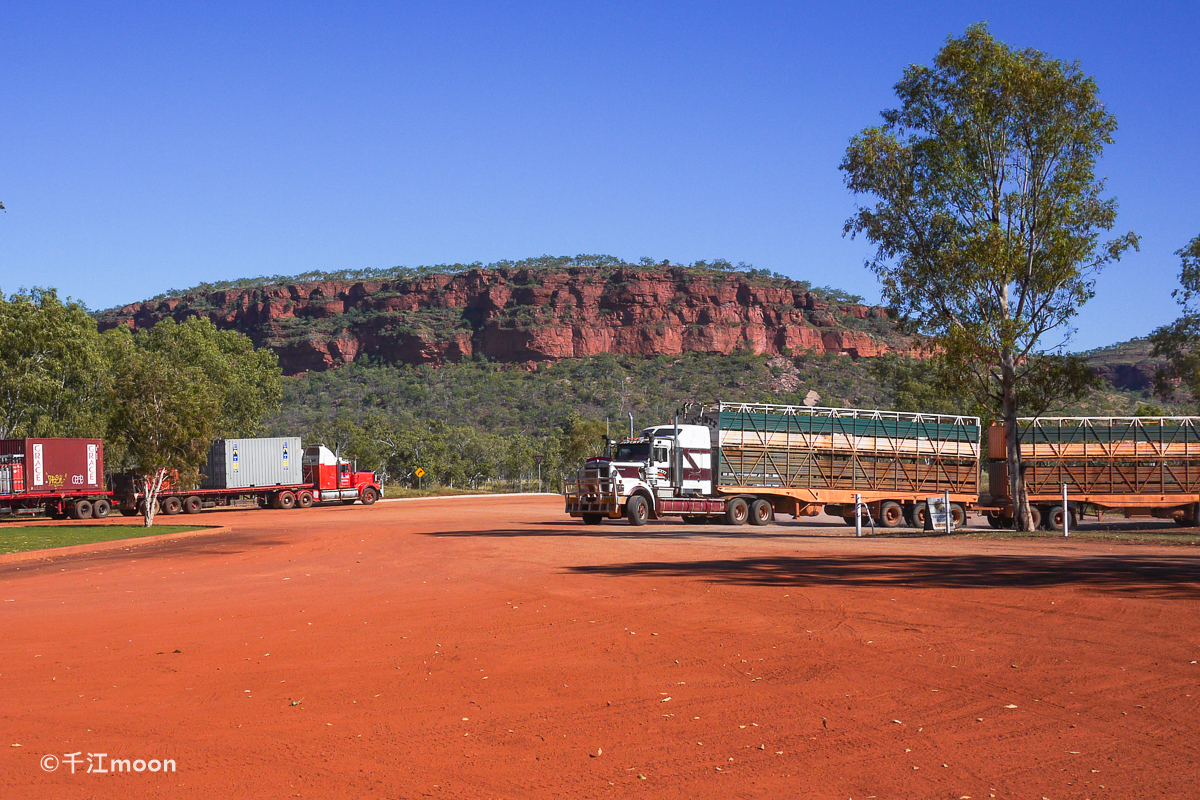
point(151, 146)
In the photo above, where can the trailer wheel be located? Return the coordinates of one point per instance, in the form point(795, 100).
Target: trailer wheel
point(920, 516)
point(287, 500)
point(1056, 516)
point(592, 519)
point(891, 514)
point(637, 510)
point(304, 499)
point(100, 508)
point(761, 512)
point(81, 509)
point(172, 506)
point(192, 505)
point(995, 520)
point(369, 496)
point(737, 511)
point(958, 515)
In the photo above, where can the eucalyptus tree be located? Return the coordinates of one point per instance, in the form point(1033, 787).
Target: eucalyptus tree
point(987, 218)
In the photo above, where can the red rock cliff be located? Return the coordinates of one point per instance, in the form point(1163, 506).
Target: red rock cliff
point(524, 315)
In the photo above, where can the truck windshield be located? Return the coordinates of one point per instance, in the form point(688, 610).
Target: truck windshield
point(637, 451)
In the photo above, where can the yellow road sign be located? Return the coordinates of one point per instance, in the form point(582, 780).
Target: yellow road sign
point(420, 473)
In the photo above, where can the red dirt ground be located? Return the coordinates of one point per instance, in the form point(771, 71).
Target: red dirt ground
point(482, 648)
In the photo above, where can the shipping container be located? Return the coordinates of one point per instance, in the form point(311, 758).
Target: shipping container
point(51, 466)
point(252, 463)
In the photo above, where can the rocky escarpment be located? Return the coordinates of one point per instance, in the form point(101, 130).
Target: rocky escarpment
point(531, 316)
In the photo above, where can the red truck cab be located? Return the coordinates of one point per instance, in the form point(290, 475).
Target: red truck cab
point(334, 478)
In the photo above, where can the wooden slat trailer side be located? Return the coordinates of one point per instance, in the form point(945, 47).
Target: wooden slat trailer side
point(808, 459)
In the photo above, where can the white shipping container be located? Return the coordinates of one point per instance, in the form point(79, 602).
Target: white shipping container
point(253, 463)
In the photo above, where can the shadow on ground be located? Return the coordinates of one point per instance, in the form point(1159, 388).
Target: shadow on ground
point(1161, 576)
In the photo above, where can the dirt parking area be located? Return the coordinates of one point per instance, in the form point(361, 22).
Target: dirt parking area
point(493, 648)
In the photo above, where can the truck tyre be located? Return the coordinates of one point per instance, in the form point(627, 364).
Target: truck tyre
point(304, 499)
point(192, 505)
point(1056, 518)
point(287, 500)
point(172, 506)
point(995, 520)
point(849, 521)
point(592, 519)
point(920, 515)
point(81, 509)
point(891, 514)
point(761, 512)
point(958, 515)
point(100, 508)
point(369, 496)
point(637, 510)
point(737, 511)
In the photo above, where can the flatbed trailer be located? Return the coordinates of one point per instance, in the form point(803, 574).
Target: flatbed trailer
point(1137, 466)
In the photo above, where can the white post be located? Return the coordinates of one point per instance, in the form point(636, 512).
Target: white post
point(1066, 514)
point(949, 516)
point(858, 515)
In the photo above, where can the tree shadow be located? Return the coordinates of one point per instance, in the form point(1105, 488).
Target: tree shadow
point(1144, 575)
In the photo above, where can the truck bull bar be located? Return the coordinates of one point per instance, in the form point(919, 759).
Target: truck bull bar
point(592, 491)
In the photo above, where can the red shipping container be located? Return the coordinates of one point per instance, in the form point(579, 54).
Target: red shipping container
point(58, 466)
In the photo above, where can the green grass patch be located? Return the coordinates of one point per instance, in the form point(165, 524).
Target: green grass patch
point(19, 539)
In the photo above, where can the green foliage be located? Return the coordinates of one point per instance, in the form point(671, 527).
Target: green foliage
point(245, 380)
point(52, 382)
point(1179, 342)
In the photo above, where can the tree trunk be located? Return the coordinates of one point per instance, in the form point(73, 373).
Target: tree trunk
point(153, 487)
point(1023, 519)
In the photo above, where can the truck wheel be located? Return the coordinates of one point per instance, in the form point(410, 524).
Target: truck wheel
point(369, 496)
point(849, 521)
point(920, 515)
point(192, 505)
point(761, 512)
point(100, 508)
point(304, 499)
point(637, 510)
point(592, 519)
point(995, 520)
point(1056, 518)
point(737, 511)
point(172, 506)
point(958, 515)
point(891, 514)
point(287, 500)
point(81, 509)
